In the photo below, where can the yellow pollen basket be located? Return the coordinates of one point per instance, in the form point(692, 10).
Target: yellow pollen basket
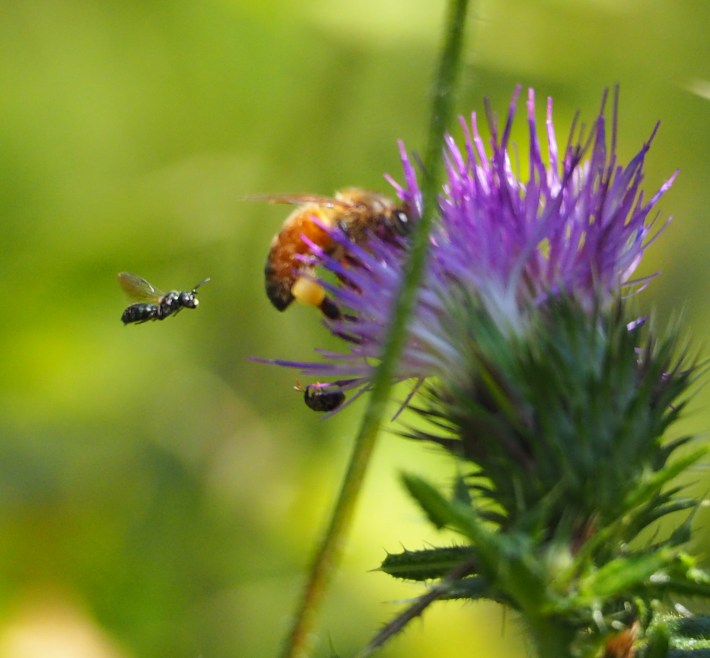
point(308, 292)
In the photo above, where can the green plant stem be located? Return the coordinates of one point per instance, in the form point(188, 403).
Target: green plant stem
point(328, 554)
point(551, 639)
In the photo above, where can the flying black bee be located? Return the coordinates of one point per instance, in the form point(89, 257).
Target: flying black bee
point(155, 304)
point(322, 397)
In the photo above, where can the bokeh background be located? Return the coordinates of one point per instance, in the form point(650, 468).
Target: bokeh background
point(160, 493)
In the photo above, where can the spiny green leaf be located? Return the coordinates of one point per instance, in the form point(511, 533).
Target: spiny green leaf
point(425, 564)
point(696, 627)
point(490, 547)
point(474, 588)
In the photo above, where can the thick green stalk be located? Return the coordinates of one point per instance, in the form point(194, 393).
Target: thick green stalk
point(551, 640)
point(329, 551)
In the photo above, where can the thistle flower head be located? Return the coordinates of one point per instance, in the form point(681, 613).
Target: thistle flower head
point(575, 223)
point(554, 400)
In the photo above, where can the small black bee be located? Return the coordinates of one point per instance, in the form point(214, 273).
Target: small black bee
point(156, 304)
point(320, 398)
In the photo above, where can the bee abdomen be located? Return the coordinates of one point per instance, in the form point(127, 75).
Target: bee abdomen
point(323, 399)
point(140, 313)
point(278, 288)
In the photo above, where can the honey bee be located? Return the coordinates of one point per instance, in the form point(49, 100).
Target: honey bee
point(358, 213)
point(155, 304)
point(322, 397)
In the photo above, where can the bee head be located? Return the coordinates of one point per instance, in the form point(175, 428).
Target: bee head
point(188, 299)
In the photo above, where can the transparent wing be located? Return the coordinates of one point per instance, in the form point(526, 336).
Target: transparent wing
point(137, 288)
point(301, 199)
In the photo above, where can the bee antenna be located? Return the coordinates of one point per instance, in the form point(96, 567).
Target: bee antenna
point(201, 283)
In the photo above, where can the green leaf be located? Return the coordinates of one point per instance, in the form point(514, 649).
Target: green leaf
point(655, 482)
point(440, 511)
point(432, 503)
point(658, 640)
point(620, 575)
point(462, 492)
point(472, 589)
point(492, 549)
point(425, 564)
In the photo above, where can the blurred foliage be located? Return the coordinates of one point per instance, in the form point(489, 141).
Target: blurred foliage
point(159, 492)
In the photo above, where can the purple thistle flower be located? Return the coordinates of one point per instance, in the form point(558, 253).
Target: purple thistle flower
point(577, 226)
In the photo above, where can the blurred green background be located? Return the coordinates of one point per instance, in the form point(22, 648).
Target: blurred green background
point(160, 493)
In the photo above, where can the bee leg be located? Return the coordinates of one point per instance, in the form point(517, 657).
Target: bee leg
point(330, 309)
point(310, 293)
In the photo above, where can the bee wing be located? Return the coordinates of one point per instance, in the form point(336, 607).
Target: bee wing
point(300, 199)
point(136, 287)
